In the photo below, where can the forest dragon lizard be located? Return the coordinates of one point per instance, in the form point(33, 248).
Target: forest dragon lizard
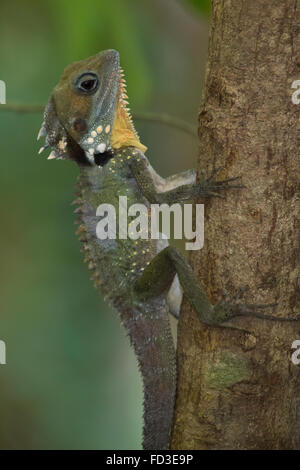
point(87, 120)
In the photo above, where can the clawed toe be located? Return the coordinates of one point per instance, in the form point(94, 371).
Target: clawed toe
point(214, 172)
point(213, 187)
point(260, 306)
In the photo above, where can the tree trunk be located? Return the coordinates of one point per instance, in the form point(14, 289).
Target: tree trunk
point(239, 390)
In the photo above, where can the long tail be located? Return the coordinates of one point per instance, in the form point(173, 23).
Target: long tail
point(150, 334)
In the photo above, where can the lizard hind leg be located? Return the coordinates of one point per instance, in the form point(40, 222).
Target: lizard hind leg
point(159, 274)
point(158, 277)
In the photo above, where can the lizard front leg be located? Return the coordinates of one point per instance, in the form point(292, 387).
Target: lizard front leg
point(184, 186)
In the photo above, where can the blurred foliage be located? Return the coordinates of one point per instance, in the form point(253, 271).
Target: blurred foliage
point(203, 6)
point(71, 379)
point(96, 26)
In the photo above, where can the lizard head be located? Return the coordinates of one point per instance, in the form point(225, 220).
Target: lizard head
point(87, 114)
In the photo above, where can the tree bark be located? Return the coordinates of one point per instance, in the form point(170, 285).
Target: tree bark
point(239, 390)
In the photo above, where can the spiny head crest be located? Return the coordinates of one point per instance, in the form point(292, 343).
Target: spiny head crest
point(87, 114)
point(123, 132)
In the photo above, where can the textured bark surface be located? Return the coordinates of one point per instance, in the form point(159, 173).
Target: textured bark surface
point(237, 390)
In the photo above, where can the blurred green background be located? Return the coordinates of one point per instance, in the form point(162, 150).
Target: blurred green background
point(71, 379)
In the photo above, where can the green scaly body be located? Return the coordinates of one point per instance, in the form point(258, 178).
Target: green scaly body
point(87, 121)
point(115, 266)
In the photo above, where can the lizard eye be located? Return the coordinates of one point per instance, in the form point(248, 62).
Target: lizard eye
point(87, 83)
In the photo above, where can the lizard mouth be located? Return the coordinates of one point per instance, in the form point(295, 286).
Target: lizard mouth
point(101, 159)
